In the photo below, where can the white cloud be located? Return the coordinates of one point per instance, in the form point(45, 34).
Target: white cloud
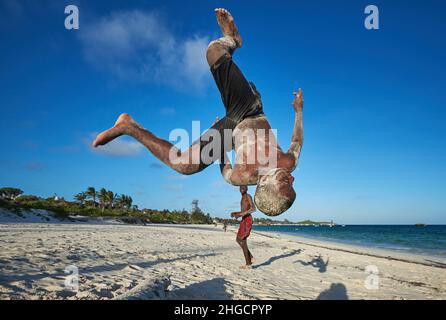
point(137, 45)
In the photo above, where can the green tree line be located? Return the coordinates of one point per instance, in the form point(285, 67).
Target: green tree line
point(94, 203)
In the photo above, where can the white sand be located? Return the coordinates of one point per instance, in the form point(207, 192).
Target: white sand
point(202, 262)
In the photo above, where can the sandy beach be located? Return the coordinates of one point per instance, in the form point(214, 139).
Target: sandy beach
point(118, 261)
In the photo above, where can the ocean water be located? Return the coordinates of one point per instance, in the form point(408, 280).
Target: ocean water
point(429, 240)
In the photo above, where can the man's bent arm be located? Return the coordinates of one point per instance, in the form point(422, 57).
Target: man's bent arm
point(297, 138)
point(251, 209)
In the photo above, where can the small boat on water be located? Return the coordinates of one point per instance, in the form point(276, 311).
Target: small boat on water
point(420, 225)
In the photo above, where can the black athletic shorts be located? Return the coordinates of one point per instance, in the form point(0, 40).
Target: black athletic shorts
point(241, 101)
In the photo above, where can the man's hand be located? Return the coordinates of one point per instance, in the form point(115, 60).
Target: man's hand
point(235, 214)
point(298, 101)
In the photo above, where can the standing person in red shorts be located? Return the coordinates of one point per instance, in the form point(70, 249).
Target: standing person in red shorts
point(247, 207)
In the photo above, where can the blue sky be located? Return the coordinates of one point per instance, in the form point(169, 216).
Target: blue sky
point(374, 112)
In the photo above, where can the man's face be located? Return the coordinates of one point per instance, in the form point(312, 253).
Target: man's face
point(283, 177)
point(243, 189)
point(282, 181)
point(275, 194)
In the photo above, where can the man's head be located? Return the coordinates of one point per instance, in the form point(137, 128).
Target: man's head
point(243, 189)
point(275, 194)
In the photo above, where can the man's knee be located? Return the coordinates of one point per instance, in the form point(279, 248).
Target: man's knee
point(214, 52)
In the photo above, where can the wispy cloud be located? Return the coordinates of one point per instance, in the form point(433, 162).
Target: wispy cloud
point(138, 45)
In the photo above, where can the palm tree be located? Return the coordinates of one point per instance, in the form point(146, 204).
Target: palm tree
point(81, 197)
point(125, 201)
point(110, 198)
point(91, 192)
point(10, 193)
point(117, 202)
point(129, 202)
point(102, 198)
point(120, 201)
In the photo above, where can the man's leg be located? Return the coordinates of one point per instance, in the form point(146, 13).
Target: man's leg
point(181, 162)
point(242, 243)
point(238, 96)
point(249, 251)
point(251, 257)
point(162, 149)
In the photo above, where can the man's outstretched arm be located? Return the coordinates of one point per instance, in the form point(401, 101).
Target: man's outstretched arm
point(297, 138)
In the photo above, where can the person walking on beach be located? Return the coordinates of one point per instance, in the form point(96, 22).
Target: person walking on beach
point(245, 129)
point(246, 208)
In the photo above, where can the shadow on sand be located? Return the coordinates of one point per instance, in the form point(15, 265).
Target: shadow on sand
point(317, 262)
point(337, 291)
point(6, 280)
point(213, 289)
point(272, 259)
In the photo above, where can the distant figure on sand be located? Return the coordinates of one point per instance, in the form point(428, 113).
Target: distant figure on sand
point(247, 207)
point(245, 129)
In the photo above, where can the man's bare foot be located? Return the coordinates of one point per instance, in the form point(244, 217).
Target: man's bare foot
point(121, 125)
point(227, 25)
point(253, 260)
point(246, 267)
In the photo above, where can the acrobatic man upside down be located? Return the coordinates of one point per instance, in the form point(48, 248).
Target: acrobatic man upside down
point(259, 160)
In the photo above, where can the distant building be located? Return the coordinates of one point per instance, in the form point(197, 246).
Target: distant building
point(57, 198)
